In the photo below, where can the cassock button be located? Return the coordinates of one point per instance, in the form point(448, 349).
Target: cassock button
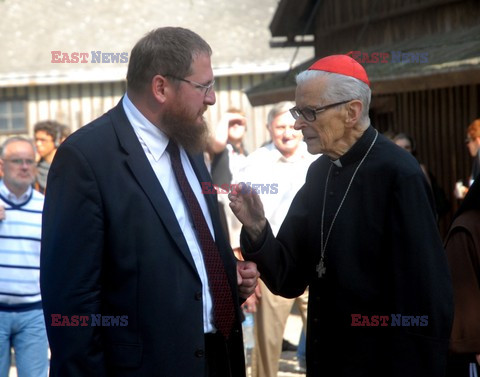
point(336, 173)
point(331, 193)
point(199, 353)
point(198, 296)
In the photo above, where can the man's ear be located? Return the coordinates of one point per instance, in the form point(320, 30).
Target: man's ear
point(270, 131)
point(354, 112)
point(160, 87)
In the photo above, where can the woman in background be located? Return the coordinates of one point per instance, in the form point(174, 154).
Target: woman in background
point(462, 246)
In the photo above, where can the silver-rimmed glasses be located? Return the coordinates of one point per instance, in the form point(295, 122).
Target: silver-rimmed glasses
point(207, 88)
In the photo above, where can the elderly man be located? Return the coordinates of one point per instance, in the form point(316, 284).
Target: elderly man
point(21, 317)
point(361, 234)
point(130, 239)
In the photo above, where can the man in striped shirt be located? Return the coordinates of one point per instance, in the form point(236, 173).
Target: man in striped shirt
point(22, 324)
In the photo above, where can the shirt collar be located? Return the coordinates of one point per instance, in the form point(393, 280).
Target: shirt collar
point(155, 140)
point(7, 194)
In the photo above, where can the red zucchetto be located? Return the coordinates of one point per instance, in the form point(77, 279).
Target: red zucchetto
point(343, 65)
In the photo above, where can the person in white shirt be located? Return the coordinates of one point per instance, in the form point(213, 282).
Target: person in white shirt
point(277, 171)
point(21, 316)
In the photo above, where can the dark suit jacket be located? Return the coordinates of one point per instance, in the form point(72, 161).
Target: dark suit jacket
point(111, 245)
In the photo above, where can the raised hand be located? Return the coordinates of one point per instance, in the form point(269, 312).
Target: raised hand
point(248, 208)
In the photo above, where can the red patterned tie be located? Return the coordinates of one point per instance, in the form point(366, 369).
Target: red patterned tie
point(223, 309)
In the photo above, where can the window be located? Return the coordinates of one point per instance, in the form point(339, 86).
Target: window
point(12, 116)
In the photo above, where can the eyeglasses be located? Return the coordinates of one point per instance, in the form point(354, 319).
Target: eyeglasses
point(43, 140)
point(207, 88)
point(21, 161)
point(310, 115)
point(468, 140)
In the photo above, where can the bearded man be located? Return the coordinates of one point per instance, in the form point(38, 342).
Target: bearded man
point(129, 237)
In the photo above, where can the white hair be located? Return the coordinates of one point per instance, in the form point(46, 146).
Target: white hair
point(276, 110)
point(15, 139)
point(341, 88)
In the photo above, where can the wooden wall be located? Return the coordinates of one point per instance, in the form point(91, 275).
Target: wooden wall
point(437, 120)
point(78, 104)
point(352, 24)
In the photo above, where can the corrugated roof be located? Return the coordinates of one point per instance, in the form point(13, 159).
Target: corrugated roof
point(237, 30)
point(448, 59)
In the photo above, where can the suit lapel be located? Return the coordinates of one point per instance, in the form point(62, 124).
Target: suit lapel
point(145, 176)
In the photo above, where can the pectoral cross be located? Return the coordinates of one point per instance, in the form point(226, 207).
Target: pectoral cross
point(321, 269)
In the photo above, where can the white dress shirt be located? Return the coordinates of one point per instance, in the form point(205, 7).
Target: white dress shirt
point(12, 197)
point(154, 143)
point(267, 166)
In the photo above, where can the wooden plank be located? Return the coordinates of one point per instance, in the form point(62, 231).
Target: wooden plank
point(43, 103)
point(86, 110)
point(75, 107)
point(369, 17)
point(107, 94)
point(63, 110)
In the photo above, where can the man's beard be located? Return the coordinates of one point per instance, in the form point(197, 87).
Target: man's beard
point(185, 130)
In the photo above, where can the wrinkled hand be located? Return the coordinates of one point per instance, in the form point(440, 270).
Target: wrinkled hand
point(247, 278)
point(250, 305)
point(248, 208)
point(2, 213)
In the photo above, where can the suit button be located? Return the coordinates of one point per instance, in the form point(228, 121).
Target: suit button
point(198, 296)
point(199, 353)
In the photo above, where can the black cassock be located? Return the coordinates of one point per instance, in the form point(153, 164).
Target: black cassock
point(385, 264)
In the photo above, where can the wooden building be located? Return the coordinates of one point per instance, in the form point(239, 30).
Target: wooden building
point(428, 84)
point(33, 87)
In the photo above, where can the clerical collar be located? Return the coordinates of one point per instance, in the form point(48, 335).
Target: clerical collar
point(358, 150)
point(337, 162)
